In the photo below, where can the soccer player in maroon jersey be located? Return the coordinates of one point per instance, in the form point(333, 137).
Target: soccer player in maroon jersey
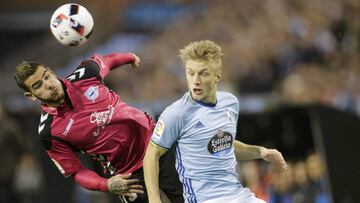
point(80, 114)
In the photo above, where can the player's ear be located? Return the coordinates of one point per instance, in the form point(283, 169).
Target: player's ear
point(30, 96)
point(218, 76)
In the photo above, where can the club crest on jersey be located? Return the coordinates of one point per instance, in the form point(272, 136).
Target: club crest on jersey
point(159, 128)
point(228, 114)
point(92, 93)
point(102, 118)
point(221, 143)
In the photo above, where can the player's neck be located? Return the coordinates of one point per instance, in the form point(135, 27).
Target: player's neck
point(209, 101)
point(55, 104)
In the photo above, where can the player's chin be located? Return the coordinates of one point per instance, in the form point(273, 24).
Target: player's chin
point(197, 97)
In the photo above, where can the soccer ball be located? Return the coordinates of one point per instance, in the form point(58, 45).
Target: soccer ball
point(71, 24)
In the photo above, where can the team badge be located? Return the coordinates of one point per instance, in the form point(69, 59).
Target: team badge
point(92, 93)
point(220, 144)
point(228, 114)
point(159, 128)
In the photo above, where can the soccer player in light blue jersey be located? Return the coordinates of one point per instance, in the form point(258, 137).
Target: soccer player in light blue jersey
point(202, 125)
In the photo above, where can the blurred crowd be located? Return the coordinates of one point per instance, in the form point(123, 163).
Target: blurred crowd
point(303, 51)
point(303, 182)
point(20, 172)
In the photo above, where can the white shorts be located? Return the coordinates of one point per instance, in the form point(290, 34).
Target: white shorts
point(244, 197)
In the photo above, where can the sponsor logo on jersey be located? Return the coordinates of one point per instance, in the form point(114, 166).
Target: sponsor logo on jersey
point(221, 143)
point(68, 126)
point(92, 93)
point(102, 118)
point(42, 124)
point(199, 124)
point(159, 128)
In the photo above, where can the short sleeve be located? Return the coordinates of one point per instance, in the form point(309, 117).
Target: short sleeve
point(168, 128)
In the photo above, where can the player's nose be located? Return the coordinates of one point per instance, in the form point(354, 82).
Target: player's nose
point(49, 86)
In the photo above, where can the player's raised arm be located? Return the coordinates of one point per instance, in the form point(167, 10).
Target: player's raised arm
point(114, 60)
point(151, 171)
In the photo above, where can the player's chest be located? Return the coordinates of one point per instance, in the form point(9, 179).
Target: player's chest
point(91, 96)
point(212, 132)
point(207, 124)
point(82, 123)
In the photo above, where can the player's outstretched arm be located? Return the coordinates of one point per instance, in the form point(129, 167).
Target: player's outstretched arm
point(122, 185)
point(115, 60)
point(119, 184)
point(151, 171)
point(273, 156)
point(249, 152)
point(112, 61)
point(136, 62)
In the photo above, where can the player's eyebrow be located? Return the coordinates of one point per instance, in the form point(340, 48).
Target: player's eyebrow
point(200, 71)
point(38, 83)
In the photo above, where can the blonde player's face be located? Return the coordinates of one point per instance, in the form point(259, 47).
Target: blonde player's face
point(45, 86)
point(202, 80)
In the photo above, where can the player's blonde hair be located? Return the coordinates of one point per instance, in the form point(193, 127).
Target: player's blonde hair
point(205, 50)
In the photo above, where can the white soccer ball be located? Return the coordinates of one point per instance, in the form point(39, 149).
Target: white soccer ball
point(71, 24)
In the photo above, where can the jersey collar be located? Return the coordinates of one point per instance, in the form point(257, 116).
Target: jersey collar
point(204, 103)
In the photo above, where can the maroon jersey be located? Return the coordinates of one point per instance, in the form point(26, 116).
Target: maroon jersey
point(95, 121)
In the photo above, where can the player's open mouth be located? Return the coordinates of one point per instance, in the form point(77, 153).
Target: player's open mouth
point(197, 91)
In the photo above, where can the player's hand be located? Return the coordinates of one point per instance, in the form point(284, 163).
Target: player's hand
point(136, 63)
point(273, 156)
point(122, 185)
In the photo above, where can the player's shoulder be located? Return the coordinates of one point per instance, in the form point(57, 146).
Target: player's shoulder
point(178, 108)
point(85, 70)
point(226, 97)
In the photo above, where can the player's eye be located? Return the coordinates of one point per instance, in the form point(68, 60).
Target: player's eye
point(205, 74)
point(37, 85)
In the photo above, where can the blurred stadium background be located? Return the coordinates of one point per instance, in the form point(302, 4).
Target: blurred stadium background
point(294, 65)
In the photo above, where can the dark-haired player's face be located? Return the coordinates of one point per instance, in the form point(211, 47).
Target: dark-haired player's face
point(45, 86)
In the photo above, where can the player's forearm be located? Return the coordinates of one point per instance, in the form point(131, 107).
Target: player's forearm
point(115, 60)
point(247, 152)
point(151, 174)
point(91, 180)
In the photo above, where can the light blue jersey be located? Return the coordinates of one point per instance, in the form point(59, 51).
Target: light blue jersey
point(204, 135)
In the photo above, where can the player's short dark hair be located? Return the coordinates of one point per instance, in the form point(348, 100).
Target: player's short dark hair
point(23, 71)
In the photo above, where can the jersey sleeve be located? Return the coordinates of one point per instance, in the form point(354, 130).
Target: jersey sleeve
point(91, 180)
point(65, 159)
point(112, 61)
point(99, 66)
point(167, 129)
